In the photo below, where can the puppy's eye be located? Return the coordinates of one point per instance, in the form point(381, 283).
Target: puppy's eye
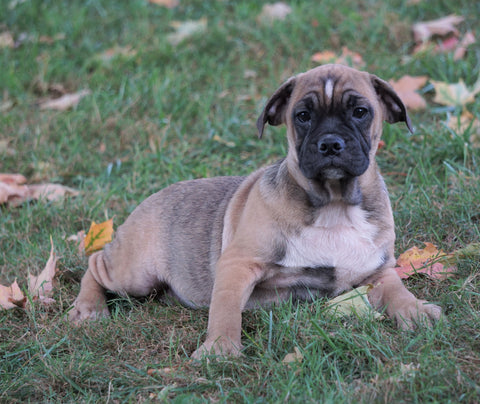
point(304, 116)
point(360, 112)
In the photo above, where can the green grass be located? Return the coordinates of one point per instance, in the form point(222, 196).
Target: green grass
point(152, 120)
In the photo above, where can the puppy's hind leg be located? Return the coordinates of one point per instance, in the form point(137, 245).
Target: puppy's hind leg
point(91, 303)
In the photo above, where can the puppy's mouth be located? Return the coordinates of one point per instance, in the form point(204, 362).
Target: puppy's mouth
point(332, 158)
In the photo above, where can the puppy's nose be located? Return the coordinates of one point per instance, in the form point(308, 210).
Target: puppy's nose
point(331, 145)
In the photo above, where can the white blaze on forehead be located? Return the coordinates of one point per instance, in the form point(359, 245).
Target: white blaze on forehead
point(329, 89)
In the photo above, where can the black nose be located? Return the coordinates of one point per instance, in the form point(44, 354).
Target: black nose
point(331, 145)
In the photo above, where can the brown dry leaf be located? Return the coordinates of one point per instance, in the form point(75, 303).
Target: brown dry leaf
point(13, 194)
point(98, 235)
point(295, 356)
point(51, 192)
point(186, 29)
point(467, 40)
point(406, 87)
point(347, 58)
point(165, 3)
point(16, 179)
point(41, 287)
point(11, 296)
point(6, 40)
point(274, 12)
point(64, 102)
point(457, 94)
point(423, 31)
point(106, 57)
point(426, 260)
point(51, 39)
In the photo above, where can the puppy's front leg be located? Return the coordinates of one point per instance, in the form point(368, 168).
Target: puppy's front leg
point(234, 282)
point(390, 293)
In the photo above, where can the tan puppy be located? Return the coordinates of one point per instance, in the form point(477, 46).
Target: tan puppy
point(315, 223)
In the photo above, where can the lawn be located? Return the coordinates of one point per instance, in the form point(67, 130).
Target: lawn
point(160, 110)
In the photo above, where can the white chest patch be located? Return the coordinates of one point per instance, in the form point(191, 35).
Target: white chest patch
point(340, 238)
point(329, 89)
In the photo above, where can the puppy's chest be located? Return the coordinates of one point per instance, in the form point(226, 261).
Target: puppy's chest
point(341, 240)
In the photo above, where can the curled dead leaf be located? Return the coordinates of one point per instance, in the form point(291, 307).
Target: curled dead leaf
point(64, 102)
point(11, 296)
point(41, 287)
point(423, 31)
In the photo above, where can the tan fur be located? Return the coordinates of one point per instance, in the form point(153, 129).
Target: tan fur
point(233, 243)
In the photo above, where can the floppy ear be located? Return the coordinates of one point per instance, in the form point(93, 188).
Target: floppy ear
point(274, 111)
point(394, 107)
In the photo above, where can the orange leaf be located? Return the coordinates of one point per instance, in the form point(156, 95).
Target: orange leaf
point(406, 89)
point(347, 58)
point(41, 287)
point(98, 235)
point(422, 31)
point(416, 260)
point(11, 296)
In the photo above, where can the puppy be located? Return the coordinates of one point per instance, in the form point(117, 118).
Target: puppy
point(316, 223)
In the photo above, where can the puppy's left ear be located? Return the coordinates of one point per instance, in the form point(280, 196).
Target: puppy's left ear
point(394, 107)
point(274, 111)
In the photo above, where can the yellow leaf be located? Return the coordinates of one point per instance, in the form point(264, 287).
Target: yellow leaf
point(353, 302)
point(295, 356)
point(454, 94)
point(98, 235)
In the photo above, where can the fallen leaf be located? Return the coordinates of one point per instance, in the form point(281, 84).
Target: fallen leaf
point(219, 139)
point(186, 29)
point(165, 3)
point(461, 49)
point(64, 102)
point(13, 194)
point(41, 287)
point(11, 296)
point(406, 87)
point(51, 192)
point(51, 39)
point(457, 94)
point(295, 356)
point(274, 12)
point(13, 179)
point(426, 261)
point(423, 31)
point(98, 235)
point(347, 58)
point(470, 251)
point(353, 302)
point(466, 122)
point(106, 57)
point(6, 40)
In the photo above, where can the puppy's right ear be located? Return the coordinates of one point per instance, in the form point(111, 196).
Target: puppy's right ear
point(274, 111)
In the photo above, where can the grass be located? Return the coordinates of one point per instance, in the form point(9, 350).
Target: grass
point(172, 113)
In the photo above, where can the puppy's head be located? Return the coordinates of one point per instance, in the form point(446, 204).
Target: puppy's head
point(334, 116)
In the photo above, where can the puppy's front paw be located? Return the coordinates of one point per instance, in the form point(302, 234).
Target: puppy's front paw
point(416, 312)
point(87, 311)
point(221, 347)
